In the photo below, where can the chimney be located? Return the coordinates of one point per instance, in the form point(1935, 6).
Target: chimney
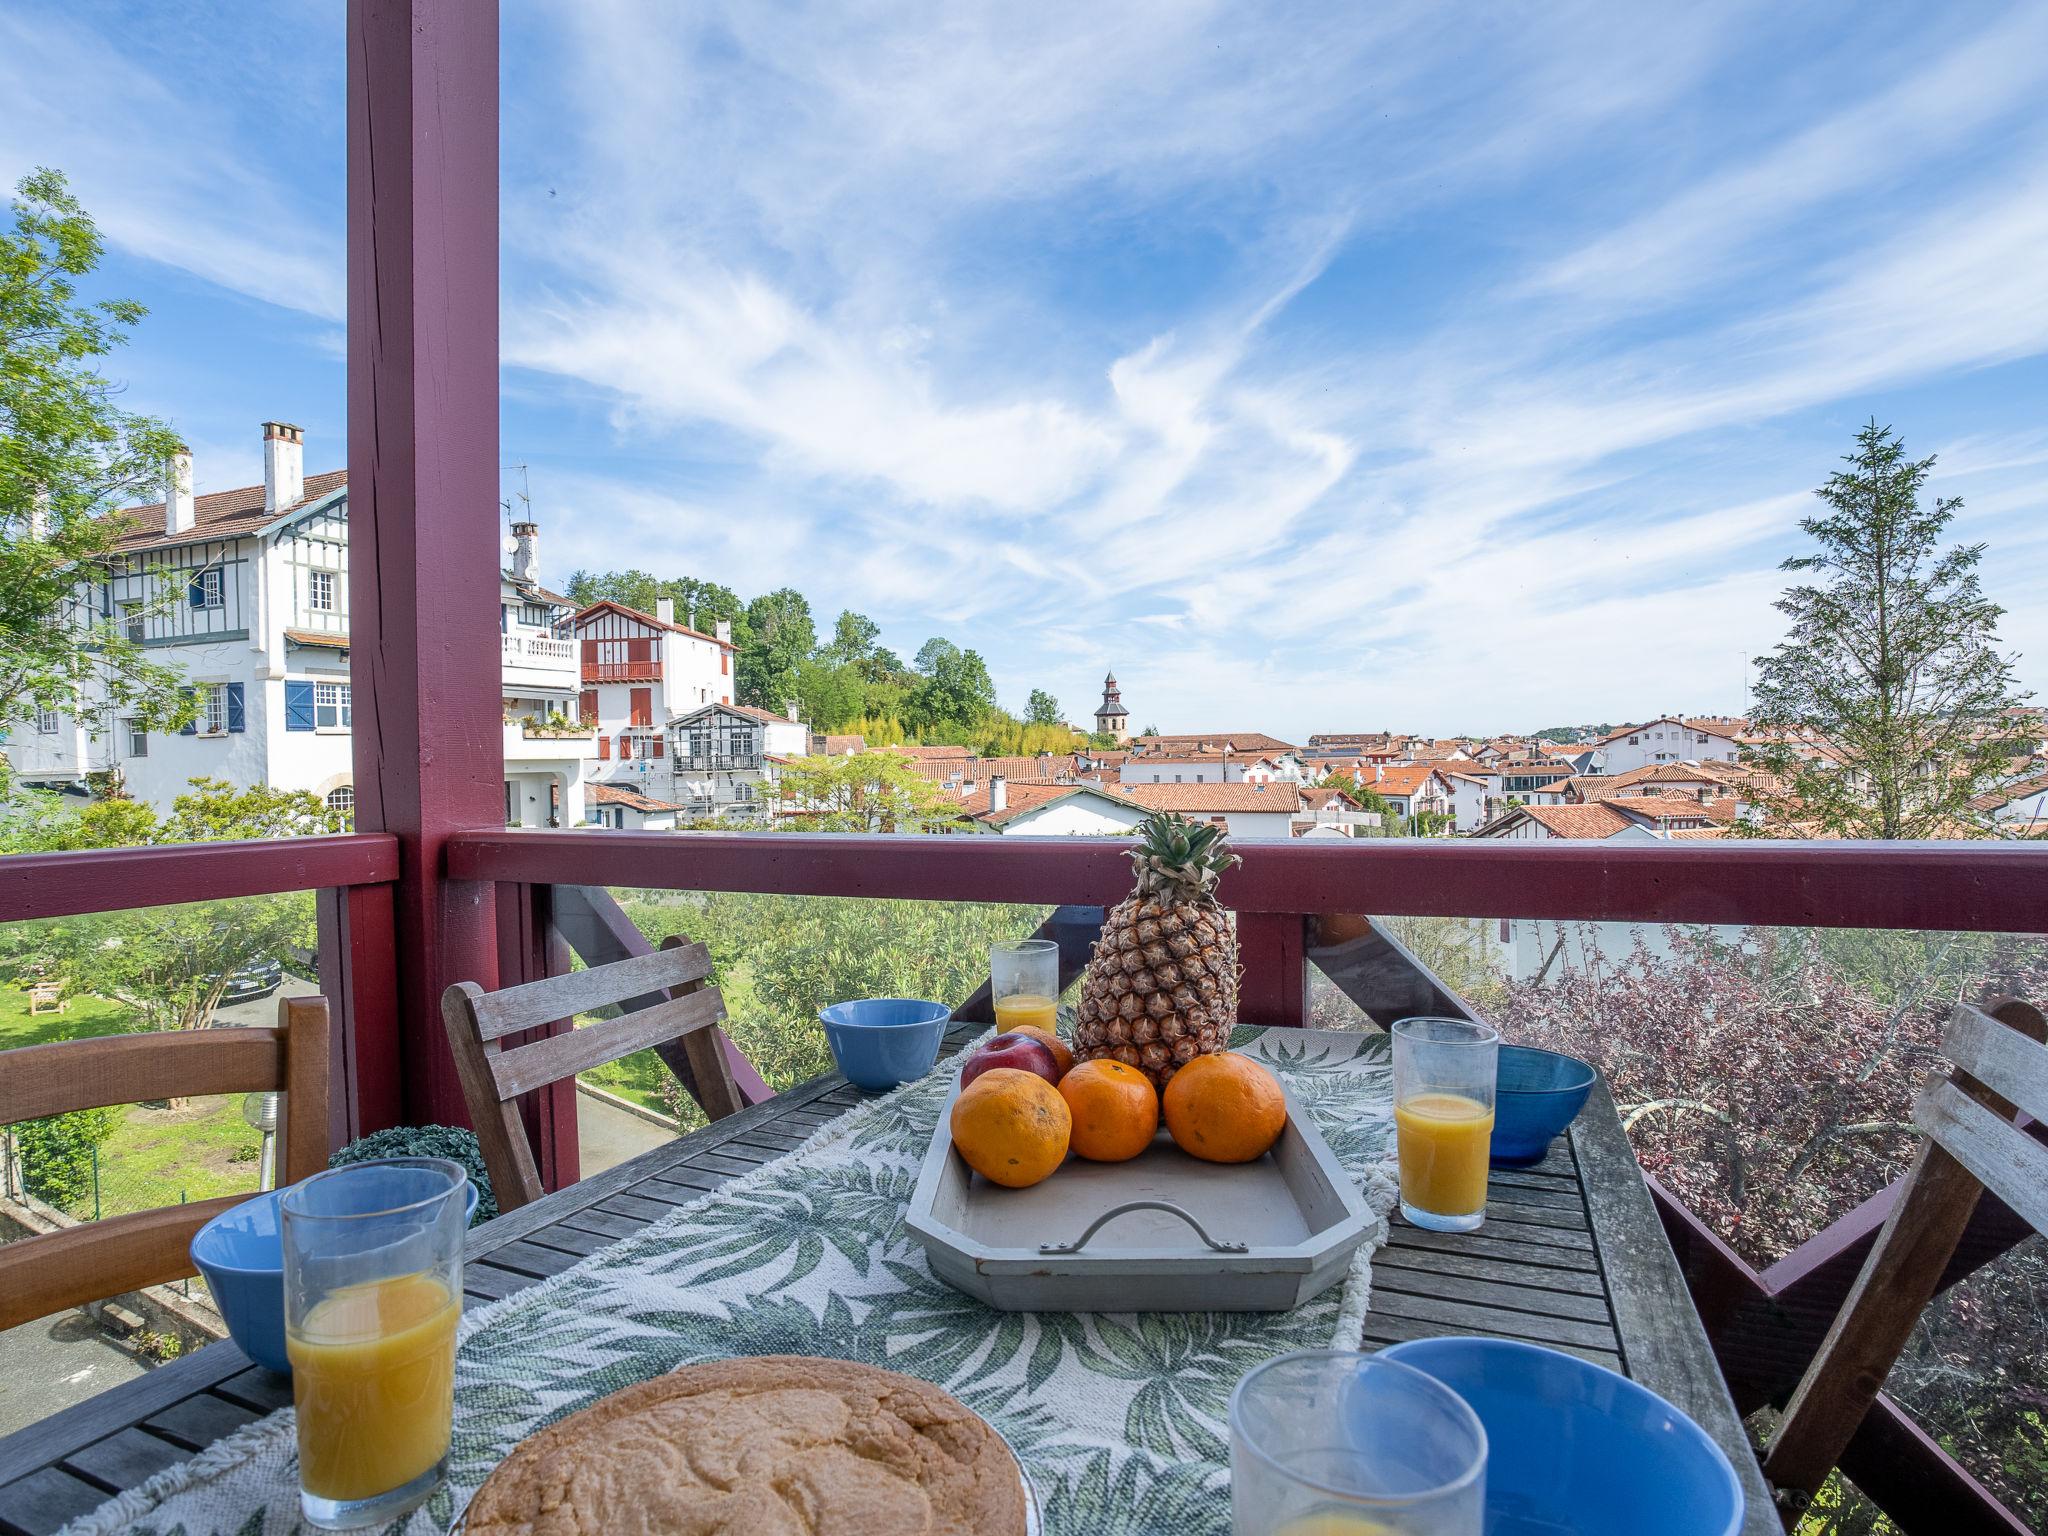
point(789, 708)
point(284, 465)
point(998, 793)
point(665, 609)
point(39, 516)
point(526, 553)
point(725, 631)
point(179, 511)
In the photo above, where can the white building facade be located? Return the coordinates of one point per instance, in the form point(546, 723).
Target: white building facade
point(246, 592)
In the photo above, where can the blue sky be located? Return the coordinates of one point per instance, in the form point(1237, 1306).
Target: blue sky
point(1319, 368)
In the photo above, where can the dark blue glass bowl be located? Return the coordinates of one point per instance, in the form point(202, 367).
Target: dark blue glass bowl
point(1536, 1095)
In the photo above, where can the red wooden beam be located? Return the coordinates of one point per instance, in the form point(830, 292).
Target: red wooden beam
point(36, 885)
point(1995, 887)
point(423, 486)
point(1274, 987)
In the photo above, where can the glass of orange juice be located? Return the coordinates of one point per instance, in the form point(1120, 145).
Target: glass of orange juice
point(1443, 1119)
point(1024, 979)
point(1331, 1442)
point(373, 1291)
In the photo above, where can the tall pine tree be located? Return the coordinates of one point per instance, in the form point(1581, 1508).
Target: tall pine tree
point(1887, 708)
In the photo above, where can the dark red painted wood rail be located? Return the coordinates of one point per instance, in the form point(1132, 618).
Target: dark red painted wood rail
point(1961, 886)
point(36, 885)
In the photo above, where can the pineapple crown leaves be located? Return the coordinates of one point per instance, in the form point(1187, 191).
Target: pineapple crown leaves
point(1180, 859)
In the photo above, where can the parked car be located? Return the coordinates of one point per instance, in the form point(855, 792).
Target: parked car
point(253, 981)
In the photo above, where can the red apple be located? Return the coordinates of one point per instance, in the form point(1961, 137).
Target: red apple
point(1019, 1051)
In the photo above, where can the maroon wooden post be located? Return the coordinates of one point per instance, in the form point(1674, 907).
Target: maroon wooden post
point(359, 978)
point(1273, 949)
point(423, 490)
point(531, 949)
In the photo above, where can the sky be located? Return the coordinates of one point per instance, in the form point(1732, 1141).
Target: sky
point(1317, 368)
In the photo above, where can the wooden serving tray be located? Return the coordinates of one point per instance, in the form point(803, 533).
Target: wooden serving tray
point(1164, 1232)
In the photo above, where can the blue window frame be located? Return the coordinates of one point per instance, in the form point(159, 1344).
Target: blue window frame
point(238, 717)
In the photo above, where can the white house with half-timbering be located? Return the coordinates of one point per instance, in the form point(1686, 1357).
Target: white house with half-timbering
point(246, 592)
point(639, 671)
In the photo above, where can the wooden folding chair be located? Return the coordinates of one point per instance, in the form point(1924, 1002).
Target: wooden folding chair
point(116, 1254)
point(687, 1011)
point(1973, 1144)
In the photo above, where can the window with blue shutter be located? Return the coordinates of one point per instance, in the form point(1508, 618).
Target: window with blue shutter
point(237, 719)
point(191, 727)
point(195, 593)
point(298, 706)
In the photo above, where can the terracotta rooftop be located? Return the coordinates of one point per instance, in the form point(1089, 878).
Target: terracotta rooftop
point(1029, 797)
point(318, 637)
point(1401, 778)
point(218, 514)
point(1239, 742)
point(632, 799)
point(1597, 820)
point(1206, 799)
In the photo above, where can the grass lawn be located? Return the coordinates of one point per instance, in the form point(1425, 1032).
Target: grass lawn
point(87, 1016)
point(160, 1156)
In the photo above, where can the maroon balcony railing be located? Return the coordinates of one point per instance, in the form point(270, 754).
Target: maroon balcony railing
point(622, 671)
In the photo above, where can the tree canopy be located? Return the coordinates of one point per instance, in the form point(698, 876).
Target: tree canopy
point(1885, 710)
point(69, 456)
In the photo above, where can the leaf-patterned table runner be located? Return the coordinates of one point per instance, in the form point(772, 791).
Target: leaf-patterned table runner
point(1118, 1418)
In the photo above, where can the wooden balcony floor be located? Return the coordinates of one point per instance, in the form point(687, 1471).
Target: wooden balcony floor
point(1571, 1256)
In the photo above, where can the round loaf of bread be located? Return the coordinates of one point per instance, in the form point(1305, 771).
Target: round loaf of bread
point(777, 1445)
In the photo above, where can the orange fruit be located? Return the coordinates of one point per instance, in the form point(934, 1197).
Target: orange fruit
point(1115, 1107)
point(1224, 1108)
point(1062, 1053)
point(1011, 1126)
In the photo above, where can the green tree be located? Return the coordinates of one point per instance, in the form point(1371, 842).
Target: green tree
point(953, 694)
point(779, 637)
point(1885, 709)
point(829, 696)
point(69, 456)
point(57, 1153)
point(1042, 708)
point(868, 792)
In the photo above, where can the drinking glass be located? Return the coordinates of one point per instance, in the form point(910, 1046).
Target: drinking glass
point(1329, 1442)
point(1024, 978)
point(1443, 1119)
point(373, 1291)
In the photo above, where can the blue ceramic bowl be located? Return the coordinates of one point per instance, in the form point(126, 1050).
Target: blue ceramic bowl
point(882, 1041)
point(1572, 1446)
point(241, 1254)
point(1536, 1095)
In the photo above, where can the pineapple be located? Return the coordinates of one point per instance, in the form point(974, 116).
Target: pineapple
point(1162, 984)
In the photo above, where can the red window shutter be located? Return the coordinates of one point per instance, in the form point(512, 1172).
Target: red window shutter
point(604, 749)
point(588, 707)
point(640, 652)
point(589, 652)
point(724, 663)
point(625, 747)
point(641, 704)
point(656, 744)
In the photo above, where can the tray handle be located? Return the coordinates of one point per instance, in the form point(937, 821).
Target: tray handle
point(1125, 1209)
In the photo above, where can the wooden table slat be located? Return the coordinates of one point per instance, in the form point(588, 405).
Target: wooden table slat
point(493, 1284)
point(598, 1224)
point(264, 1391)
point(1382, 1329)
point(1499, 1295)
point(1532, 1326)
point(571, 1239)
point(122, 1460)
point(1440, 1261)
point(1487, 1242)
point(529, 1258)
point(39, 1503)
point(199, 1420)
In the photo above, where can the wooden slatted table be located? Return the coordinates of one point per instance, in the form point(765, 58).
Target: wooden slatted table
point(1571, 1255)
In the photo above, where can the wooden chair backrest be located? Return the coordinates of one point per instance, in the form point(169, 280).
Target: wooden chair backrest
point(494, 1075)
point(97, 1259)
point(2000, 1069)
